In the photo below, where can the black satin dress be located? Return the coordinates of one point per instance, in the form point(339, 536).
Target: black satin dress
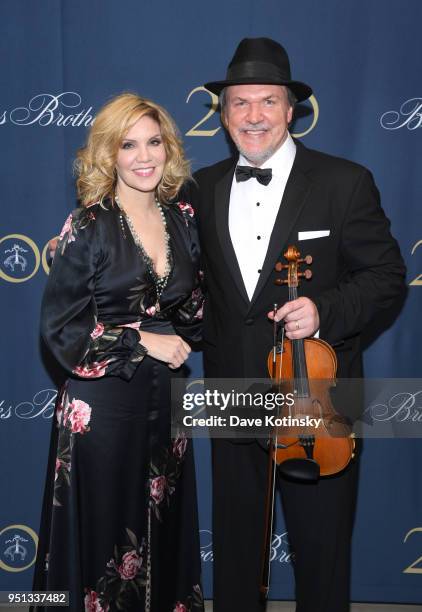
point(119, 525)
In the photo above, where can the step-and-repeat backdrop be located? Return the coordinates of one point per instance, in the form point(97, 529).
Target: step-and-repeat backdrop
point(61, 61)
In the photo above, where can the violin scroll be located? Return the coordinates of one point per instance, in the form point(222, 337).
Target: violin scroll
point(293, 257)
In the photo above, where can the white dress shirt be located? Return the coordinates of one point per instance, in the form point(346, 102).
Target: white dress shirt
point(253, 211)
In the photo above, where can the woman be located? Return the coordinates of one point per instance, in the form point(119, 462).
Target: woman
point(119, 527)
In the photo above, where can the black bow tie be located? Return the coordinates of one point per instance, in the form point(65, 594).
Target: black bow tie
point(262, 175)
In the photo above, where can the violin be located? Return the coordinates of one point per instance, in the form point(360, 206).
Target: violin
point(307, 369)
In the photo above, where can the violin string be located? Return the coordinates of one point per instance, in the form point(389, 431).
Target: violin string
point(281, 354)
point(298, 354)
point(274, 341)
point(299, 347)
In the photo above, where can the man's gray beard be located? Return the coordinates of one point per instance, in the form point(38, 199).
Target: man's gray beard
point(259, 158)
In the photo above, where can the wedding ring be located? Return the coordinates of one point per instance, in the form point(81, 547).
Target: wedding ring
point(297, 325)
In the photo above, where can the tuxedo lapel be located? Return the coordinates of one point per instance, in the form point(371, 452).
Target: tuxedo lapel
point(221, 207)
point(294, 198)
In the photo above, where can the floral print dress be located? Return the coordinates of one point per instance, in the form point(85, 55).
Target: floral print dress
point(119, 524)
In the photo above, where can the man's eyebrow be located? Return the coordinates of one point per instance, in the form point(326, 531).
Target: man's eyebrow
point(269, 97)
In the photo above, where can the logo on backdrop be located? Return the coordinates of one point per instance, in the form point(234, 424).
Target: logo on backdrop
point(408, 116)
point(280, 548)
point(63, 110)
point(20, 258)
point(18, 548)
point(197, 130)
point(417, 281)
point(41, 406)
point(15, 260)
point(398, 407)
point(416, 566)
point(67, 110)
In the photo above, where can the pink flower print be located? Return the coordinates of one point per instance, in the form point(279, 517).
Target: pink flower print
point(59, 414)
point(79, 416)
point(95, 370)
point(130, 566)
point(97, 331)
point(135, 325)
point(92, 603)
point(187, 208)
point(179, 446)
point(179, 607)
point(67, 229)
point(65, 413)
point(58, 464)
point(151, 311)
point(197, 297)
point(157, 488)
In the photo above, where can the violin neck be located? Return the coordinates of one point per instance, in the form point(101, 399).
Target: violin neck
point(300, 371)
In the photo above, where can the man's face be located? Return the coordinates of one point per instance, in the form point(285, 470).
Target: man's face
point(257, 118)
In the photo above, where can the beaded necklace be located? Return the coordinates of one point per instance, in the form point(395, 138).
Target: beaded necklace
point(160, 282)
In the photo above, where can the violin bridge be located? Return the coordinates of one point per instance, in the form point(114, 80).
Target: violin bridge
point(308, 443)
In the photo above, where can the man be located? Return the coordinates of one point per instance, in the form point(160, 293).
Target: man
point(247, 216)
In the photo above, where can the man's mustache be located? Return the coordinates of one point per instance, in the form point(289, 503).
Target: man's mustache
point(256, 127)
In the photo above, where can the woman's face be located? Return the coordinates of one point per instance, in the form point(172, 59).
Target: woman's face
point(141, 157)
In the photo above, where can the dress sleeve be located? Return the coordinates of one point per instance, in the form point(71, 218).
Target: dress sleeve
point(188, 317)
point(187, 320)
point(82, 346)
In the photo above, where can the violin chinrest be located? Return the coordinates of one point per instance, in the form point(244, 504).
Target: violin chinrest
point(304, 470)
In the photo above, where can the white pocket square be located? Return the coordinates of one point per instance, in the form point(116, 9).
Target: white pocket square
point(313, 234)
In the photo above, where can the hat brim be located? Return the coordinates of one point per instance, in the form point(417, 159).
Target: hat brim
point(300, 90)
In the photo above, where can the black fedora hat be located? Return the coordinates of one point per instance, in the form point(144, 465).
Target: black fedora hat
point(260, 61)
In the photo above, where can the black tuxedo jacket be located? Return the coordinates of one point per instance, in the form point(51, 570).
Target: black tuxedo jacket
point(357, 269)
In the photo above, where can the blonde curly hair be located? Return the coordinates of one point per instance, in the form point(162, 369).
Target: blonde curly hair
point(95, 163)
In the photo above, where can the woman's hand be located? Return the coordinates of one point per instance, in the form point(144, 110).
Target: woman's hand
point(52, 246)
point(168, 348)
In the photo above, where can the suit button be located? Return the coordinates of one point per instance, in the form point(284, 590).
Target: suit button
point(249, 321)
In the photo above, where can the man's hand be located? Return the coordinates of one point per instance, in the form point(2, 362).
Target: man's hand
point(301, 318)
point(52, 246)
point(168, 348)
